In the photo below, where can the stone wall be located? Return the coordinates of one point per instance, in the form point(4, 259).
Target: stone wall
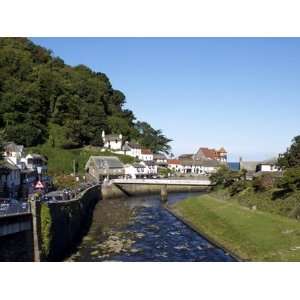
point(110, 191)
point(17, 247)
point(16, 242)
point(63, 224)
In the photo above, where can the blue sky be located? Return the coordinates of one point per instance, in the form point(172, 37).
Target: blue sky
point(243, 94)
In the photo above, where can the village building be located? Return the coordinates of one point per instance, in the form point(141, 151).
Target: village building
point(268, 166)
point(175, 165)
point(186, 156)
point(160, 159)
point(10, 180)
point(13, 153)
point(136, 170)
point(199, 167)
point(152, 168)
point(146, 169)
point(146, 155)
point(112, 141)
point(211, 154)
point(34, 161)
point(132, 149)
point(104, 167)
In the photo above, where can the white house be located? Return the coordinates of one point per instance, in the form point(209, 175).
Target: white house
point(200, 167)
point(175, 165)
point(136, 170)
point(13, 153)
point(112, 141)
point(152, 168)
point(142, 169)
point(160, 159)
point(132, 149)
point(146, 155)
point(33, 161)
point(268, 166)
point(10, 179)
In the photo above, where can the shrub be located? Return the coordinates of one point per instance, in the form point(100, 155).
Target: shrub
point(263, 182)
point(238, 186)
point(290, 180)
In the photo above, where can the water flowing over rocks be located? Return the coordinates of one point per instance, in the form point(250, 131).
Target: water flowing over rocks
point(141, 229)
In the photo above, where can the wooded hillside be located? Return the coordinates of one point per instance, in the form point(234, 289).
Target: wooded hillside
point(44, 100)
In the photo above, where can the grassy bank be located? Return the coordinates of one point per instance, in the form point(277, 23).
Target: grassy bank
point(251, 234)
point(60, 161)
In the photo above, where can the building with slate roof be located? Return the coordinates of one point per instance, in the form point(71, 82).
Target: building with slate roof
point(101, 167)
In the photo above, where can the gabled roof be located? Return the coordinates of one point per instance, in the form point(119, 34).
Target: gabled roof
point(174, 162)
point(113, 137)
point(207, 153)
point(13, 147)
point(203, 163)
point(146, 151)
point(138, 165)
point(186, 156)
point(134, 145)
point(272, 161)
point(105, 162)
point(149, 162)
point(37, 156)
point(159, 156)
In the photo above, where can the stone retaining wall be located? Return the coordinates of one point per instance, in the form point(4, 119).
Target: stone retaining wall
point(63, 224)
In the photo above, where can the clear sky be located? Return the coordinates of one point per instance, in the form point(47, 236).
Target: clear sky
point(243, 94)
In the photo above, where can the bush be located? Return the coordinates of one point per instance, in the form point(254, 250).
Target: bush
point(263, 182)
point(290, 180)
point(238, 186)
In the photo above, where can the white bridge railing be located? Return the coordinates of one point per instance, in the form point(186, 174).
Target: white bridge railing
point(196, 182)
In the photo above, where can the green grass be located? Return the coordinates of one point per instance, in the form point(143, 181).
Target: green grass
point(252, 235)
point(60, 161)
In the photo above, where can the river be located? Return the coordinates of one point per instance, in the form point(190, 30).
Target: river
point(140, 229)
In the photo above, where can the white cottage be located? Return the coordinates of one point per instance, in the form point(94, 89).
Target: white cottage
point(146, 155)
point(132, 149)
point(112, 141)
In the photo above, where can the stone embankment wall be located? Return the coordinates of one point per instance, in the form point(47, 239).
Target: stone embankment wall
point(110, 191)
point(63, 224)
point(16, 242)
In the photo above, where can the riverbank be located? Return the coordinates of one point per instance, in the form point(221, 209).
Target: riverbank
point(137, 229)
point(250, 234)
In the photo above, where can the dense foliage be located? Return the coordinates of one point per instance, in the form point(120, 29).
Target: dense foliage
point(291, 158)
point(38, 91)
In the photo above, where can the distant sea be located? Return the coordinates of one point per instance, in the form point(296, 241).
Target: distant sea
point(234, 166)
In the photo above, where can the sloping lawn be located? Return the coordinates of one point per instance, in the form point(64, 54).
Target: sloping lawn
point(252, 235)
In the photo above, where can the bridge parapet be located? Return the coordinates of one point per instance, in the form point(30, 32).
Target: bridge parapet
point(188, 182)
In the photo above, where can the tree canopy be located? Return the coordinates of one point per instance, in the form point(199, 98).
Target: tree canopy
point(38, 91)
point(291, 158)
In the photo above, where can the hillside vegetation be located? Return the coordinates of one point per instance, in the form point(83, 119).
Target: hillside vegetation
point(251, 234)
point(42, 100)
point(61, 161)
point(272, 192)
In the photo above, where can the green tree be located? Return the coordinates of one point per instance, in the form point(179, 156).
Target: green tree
point(152, 138)
point(291, 158)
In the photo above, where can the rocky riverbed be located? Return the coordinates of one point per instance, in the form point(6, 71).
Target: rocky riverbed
point(140, 229)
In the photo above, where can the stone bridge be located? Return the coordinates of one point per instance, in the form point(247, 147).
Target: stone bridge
point(117, 188)
point(187, 182)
